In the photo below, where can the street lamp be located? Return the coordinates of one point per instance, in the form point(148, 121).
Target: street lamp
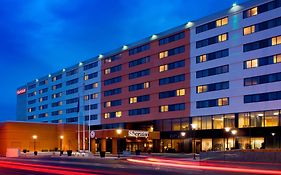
point(61, 138)
point(194, 127)
point(119, 132)
point(227, 129)
point(234, 132)
point(34, 143)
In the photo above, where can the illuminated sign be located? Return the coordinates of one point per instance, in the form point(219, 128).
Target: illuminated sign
point(133, 133)
point(21, 91)
point(92, 134)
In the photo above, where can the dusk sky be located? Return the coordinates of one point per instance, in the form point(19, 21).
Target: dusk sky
point(43, 36)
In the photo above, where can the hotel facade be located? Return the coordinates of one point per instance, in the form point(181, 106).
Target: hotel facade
point(210, 84)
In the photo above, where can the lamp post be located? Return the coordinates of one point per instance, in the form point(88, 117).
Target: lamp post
point(227, 129)
point(234, 132)
point(118, 131)
point(34, 143)
point(194, 127)
point(183, 136)
point(61, 138)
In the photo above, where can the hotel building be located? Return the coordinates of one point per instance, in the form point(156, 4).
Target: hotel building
point(210, 84)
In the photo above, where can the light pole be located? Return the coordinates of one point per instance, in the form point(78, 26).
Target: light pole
point(61, 138)
point(34, 144)
point(194, 127)
point(183, 136)
point(273, 134)
point(227, 129)
point(118, 131)
point(234, 132)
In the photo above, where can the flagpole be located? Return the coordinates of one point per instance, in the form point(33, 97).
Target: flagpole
point(84, 116)
point(89, 128)
point(78, 125)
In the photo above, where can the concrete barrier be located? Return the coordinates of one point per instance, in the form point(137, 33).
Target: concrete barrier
point(244, 156)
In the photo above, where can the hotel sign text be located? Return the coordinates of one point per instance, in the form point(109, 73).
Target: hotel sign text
point(21, 91)
point(133, 133)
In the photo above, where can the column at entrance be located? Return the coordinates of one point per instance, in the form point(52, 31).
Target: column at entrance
point(103, 145)
point(93, 146)
point(114, 146)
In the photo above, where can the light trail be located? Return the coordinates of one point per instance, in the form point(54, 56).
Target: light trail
point(210, 168)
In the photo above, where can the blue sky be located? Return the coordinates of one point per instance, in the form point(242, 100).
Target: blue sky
point(42, 36)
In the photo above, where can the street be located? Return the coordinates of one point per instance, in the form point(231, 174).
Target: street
point(134, 165)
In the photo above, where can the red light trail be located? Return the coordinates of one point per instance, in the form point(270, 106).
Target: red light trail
point(205, 166)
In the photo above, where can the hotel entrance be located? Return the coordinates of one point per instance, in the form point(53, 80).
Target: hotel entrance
point(119, 140)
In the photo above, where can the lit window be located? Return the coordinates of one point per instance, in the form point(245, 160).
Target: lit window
point(106, 115)
point(249, 30)
point(277, 58)
point(54, 79)
point(60, 103)
point(46, 114)
point(95, 85)
point(146, 85)
point(29, 110)
point(276, 40)
point(86, 97)
point(203, 58)
point(201, 89)
point(108, 60)
point(118, 114)
point(163, 68)
point(180, 92)
point(40, 99)
point(86, 77)
point(163, 54)
point(222, 37)
point(164, 108)
point(95, 95)
point(108, 104)
point(60, 112)
point(222, 22)
point(133, 100)
point(252, 63)
point(107, 71)
point(222, 101)
point(252, 12)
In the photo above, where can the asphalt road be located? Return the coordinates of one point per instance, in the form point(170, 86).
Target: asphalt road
point(133, 166)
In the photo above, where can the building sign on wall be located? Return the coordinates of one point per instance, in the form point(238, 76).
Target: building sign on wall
point(134, 133)
point(21, 91)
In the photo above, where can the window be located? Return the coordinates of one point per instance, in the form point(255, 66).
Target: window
point(276, 40)
point(72, 110)
point(262, 44)
point(72, 100)
point(139, 49)
point(212, 56)
point(91, 65)
point(43, 115)
point(57, 95)
point(212, 25)
point(251, 63)
point(113, 114)
point(72, 120)
point(58, 77)
point(31, 109)
point(171, 52)
point(56, 104)
point(113, 81)
point(91, 76)
point(112, 58)
point(140, 86)
point(72, 72)
point(43, 82)
point(277, 58)
point(57, 86)
point(112, 92)
point(113, 103)
point(249, 30)
point(212, 103)
point(141, 111)
point(90, 107)
point(262, 79)
point(222, 37)
point(218, 122)
point(118, 114)
point(212, 71)
point(55, 113)
point(173, 79)
point(212, 40)
point(270, 96)
point(222, 22)
point(172, 66)
point(213, 87)
point(181, 92)
point(172, 38)
point(271, 118)
point(32, 101)
point(32, 86)
point(173, 107)
point(139, 61)
point(113, 69)
point(91, 86)
point(139, 74)
point(71, 91)
point(251, 12)
point(173, 93)
point(206, 122)
point(163, 68)
point(41, 91)
point(73, 81)
point(138, 99)
point(31, 94)
point(229, 120)
point(43, 99)
point(244, 120)
point(92, 117)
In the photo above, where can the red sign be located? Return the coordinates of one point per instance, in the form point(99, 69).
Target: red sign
point(21, 91)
